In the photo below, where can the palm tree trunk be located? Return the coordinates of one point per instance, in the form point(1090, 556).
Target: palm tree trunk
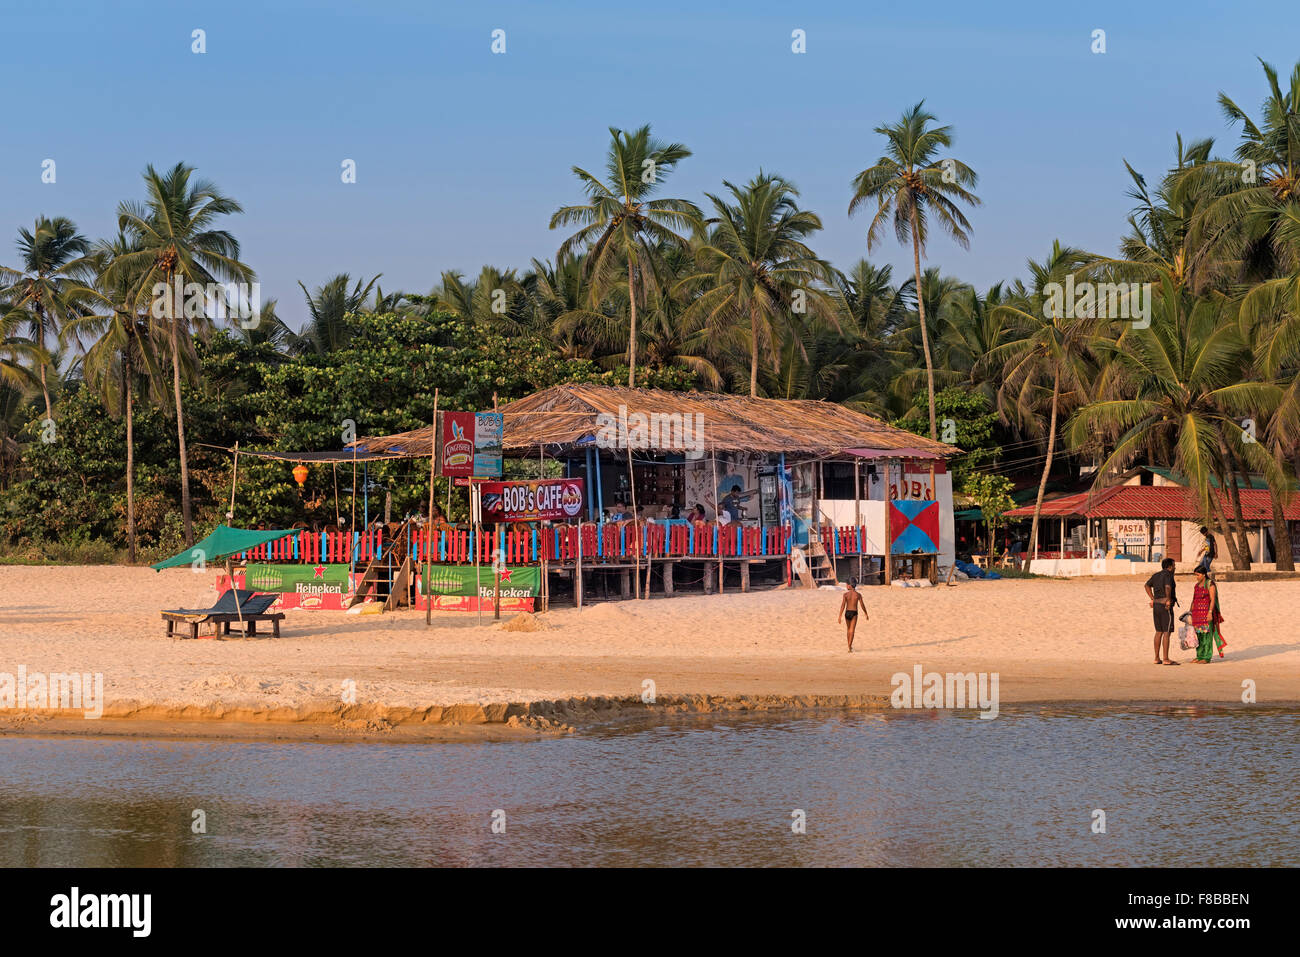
point(753, 352)
point(1221, 518)
point(46, 391)
point(130, 454)
point(1047, 465)
point(925, 338)
point(631, 337)
point(180, 430)
point(1228, 482)
point(1281, 534)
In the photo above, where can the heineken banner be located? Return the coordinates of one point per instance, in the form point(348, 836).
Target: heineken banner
point(303, 586)
point(463, 588)
point(531, 501)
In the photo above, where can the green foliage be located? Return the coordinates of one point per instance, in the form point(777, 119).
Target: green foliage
point(383, 380)
point(992, 493)
point(966, 421)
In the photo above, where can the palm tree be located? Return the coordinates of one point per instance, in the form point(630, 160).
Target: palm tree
point(622, 226)
point(50, 288)
point(326, 331)
point(1181, 377)
point(1048, 346)
point(755, 272)
point(18, 356)
point(495, 297)
point(874, 310)
point(911, 183)
point(174, 229)
point(123, 348)
point(563, 305)
point(941, 296)
point(269, 328)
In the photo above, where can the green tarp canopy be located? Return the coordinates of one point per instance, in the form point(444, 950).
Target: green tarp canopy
point(224, 542)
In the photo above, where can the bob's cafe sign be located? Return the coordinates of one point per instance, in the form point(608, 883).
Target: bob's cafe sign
point(534, 500)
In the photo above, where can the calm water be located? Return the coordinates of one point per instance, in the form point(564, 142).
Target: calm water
point(1179, 787)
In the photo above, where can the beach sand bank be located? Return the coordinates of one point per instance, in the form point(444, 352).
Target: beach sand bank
point(1073, 641)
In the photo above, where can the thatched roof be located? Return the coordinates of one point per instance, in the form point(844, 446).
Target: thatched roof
point(566, 416)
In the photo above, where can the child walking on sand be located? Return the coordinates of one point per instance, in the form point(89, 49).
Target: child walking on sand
point(849, 608)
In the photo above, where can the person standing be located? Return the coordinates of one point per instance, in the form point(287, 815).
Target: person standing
point(1209, 552)
point(1206, 617)
point(850, 605)
point(1163, 595)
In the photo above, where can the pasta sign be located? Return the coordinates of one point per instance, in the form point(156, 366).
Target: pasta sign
point(531, 501)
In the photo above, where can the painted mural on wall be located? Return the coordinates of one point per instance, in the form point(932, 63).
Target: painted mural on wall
point(738, 486)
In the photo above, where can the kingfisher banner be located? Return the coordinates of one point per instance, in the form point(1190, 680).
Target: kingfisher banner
point(456, 443)
point(533, 500)
point(463, 588)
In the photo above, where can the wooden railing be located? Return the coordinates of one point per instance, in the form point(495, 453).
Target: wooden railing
point(529, 544)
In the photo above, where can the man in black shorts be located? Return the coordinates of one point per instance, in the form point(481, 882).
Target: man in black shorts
point(849, 609)
point(1161, 591)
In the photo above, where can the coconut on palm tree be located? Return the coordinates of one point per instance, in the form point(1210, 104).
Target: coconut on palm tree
point(911, 184)
point(622, 224)
point(177, 239)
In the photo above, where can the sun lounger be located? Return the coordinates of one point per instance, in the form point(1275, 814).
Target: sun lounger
point(252, 609)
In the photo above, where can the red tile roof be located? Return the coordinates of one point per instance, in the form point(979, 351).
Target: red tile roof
point(1154, 502)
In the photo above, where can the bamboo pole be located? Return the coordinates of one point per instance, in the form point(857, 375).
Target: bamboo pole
point(234, 477)
point(717, 511)
point(352, 520)
point(636, 522)
point(889, 497)
point(428, 529)
point(857, 514)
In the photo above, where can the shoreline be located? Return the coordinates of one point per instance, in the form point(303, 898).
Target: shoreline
point(1077, 642)
point(505, 722)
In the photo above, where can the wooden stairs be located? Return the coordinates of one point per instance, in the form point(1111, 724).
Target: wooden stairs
point(391, 576)
point(821, 566)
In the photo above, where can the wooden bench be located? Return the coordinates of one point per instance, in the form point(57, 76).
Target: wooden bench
point(252, 608)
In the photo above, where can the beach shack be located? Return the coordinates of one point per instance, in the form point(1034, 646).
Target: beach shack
point(1130, 528)
point(632, 491)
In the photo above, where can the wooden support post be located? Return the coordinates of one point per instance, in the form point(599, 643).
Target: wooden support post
point(668, 577)
point(744, 576)
point(717, 506)
point(428, 529)
point(857, 513)
point(625, 584)
point(710, 572)
point(889, 497)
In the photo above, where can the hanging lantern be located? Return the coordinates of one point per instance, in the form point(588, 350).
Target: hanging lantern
point(300, 474)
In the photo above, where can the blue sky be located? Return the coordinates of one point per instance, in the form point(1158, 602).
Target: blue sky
point(462, 155)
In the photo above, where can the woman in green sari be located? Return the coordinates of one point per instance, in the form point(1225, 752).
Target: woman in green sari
point(1206, 617)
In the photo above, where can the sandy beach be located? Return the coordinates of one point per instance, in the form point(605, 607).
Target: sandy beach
point(1082, 640)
